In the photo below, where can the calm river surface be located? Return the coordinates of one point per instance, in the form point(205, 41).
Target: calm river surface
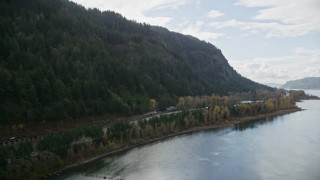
point(284, 147)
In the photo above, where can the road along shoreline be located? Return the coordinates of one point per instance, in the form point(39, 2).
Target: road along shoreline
point(126, 146)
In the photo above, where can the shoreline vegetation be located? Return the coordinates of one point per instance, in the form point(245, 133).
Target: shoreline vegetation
point(53, 153)
point(226, 124)
point(73, 78)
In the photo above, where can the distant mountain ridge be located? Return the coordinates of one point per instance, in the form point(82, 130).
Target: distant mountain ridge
point(276, 85)
point(59, 60)
point(305, 83)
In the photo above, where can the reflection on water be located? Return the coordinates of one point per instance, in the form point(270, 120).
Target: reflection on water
point(254, 124)
point(284, 147)
point(247, 125)
point(244, 126)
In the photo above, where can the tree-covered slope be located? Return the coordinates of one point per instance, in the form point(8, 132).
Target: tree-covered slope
point(305, 83)
point(59, 61)
point(207, 62)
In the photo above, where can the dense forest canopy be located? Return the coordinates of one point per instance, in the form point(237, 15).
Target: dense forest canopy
point(59, 60)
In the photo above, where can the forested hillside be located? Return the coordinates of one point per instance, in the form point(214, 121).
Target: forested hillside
point(59, 60)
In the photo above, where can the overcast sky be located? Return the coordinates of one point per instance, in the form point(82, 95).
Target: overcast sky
point(264, 40)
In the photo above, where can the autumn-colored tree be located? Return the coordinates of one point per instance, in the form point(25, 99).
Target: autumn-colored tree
point(152, 104)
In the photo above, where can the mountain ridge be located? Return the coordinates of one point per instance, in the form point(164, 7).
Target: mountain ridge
point(304, 83)
point(59, 60)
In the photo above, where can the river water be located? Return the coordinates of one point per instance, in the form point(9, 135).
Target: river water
point(284, 147)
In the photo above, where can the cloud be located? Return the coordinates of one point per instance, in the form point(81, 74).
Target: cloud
point(173, 5)
point(275, 18)
point(198, 3)
point(273, 29)
point(214, 14)
point(301, 50)
point(289, 18)
point(197, 31)
point(135, 9)
point(303, 63)
point(286, 11)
